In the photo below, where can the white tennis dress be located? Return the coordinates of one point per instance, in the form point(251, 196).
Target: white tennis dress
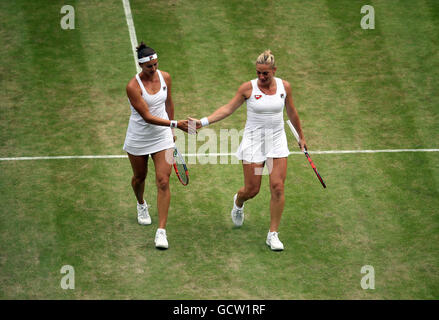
point(264, 135)
point(144, 138)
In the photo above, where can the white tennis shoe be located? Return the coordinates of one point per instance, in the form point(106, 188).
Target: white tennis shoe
point(273, 241)
point(143, 216)
point(161, 242)
point(237, 213)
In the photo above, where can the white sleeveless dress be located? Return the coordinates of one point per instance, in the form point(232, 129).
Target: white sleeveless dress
point(144, 138)
point(264, 135)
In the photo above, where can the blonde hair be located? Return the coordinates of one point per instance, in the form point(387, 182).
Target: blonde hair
point(266, 57)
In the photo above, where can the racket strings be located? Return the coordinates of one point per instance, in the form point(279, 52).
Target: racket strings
point(180, 168)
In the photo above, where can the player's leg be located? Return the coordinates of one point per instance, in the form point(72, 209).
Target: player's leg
point(278, 173)
point(163, 169)
point(252, 184)
point(139, 164)
point(277, 181)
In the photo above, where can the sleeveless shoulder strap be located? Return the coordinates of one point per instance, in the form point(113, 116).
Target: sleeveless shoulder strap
point(140, 84)
point(280, 85)
point(255, 86)
point(162, 80)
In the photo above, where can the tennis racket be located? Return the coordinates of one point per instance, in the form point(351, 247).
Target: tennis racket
point(180, 167)
point(293, 130)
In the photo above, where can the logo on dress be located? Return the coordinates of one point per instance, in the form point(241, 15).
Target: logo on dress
point(258, 96)
point(282, 95)
point(164, 88)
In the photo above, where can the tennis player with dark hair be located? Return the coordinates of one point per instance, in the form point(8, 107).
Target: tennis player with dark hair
point(264, 141)
point(150, 132)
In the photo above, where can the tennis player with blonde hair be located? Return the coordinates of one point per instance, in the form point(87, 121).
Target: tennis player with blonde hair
point(264, 140)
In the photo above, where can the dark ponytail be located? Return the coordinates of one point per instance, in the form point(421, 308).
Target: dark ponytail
point(144, 51)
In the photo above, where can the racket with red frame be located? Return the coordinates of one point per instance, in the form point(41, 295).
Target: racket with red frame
point(180, 167)
point(296, 135)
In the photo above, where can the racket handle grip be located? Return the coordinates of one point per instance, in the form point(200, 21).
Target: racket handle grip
point(293, 130)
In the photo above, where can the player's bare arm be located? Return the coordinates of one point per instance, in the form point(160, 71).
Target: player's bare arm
point(243, 93)
point(169, 103)
point(134, 94)
point(292, 113)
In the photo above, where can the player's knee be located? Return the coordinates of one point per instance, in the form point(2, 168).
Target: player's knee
point(277, 189)
point(162, 182)
point(139, 179)
point(252, 191)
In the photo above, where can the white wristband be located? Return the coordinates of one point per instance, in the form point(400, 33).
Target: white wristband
point(204, 122)
point(173, 124)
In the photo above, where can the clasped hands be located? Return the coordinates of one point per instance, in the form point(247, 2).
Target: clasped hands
point(191, 125)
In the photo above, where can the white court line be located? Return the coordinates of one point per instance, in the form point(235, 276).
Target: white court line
point(215, 154)
point(64, 157)
point(370, 151)
point(132, 30)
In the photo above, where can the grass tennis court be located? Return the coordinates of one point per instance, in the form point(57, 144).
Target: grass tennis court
point(62, 92)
